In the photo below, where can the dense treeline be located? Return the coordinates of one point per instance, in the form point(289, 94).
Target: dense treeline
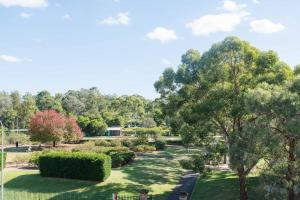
point(93, 111)
point(251, 99)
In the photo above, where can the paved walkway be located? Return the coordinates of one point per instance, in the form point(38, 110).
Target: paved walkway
point(186, 183)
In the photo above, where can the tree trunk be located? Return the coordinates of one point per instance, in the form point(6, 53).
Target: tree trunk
point(242, 182)
point(291, 169)
point(226, 155)
point(54, 144)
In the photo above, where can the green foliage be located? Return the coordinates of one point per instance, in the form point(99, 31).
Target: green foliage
point(121, 158)
point(187, 135)
point(160, 144)
point(103, 143)
point(195, 163)
point(140, 140)
point(34, 158)
point(75, 165)
point(215, 152)
point(92, 126)
point(143, 148)
point(115, 143)
point(148, 122)
point(127, 143)
point(91, 147)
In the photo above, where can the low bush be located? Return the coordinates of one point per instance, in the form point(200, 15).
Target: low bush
point(103, 143)
point(75, 165)
point(127, 143)
point(195, 163)
point(115, 143)
point(144, 148)
point(119, 159)
point(149, 132)
point(160, 144)
point(140, 140)
point(186, 164)
point(34, 158)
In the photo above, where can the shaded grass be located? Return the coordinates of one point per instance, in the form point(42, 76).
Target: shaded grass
point(224, 186)
point(158, 172)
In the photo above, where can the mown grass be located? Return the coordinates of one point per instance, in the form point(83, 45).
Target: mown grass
point(222, 185)
point(158, 172)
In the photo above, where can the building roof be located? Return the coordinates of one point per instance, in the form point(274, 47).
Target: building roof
point(116, 128)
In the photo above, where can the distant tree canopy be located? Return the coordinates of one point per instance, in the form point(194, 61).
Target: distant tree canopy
point(84, 105)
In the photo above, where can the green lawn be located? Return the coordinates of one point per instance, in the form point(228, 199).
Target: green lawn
point(157, 172)
point(224, 186)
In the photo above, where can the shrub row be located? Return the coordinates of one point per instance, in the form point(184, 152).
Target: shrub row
point(144, 148)
point(119, 159)
point(91, 147)
point(75, 165)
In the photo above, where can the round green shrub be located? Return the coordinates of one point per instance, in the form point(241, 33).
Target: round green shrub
point(102, 143)
point(160, 144)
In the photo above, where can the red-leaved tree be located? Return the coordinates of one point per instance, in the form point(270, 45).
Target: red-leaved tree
point(49, 125)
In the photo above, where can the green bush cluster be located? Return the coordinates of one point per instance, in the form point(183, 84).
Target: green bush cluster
point(119, 159)
point(75, 165)
point(103, 143)
point(127, 143)
point(144, 148)
point(150, 132)
point(195, 163)
point(160, 144)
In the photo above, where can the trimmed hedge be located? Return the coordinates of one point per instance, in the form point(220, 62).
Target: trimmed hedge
point(119, 159)
point(75, 165)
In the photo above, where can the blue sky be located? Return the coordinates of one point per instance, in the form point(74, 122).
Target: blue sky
point(123, 46)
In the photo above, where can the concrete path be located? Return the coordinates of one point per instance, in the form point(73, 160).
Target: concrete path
point(186, 184)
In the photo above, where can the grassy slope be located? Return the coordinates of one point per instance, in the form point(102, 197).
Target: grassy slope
point(158, 172)
point(224, 186)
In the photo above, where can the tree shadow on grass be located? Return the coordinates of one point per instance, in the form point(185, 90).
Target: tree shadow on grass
point(225, 186)
point(36, 184)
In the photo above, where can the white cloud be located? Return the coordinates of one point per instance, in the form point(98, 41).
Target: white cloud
point(120, 19)
point(232, 6)
point(25, 15)
point(224, 22)
point(166, 62)
point(67, 17)
point(24, 3)
point(13, 59)
point(265, 26)
point(256, 1)
point(8, 58)
point(162, 34)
